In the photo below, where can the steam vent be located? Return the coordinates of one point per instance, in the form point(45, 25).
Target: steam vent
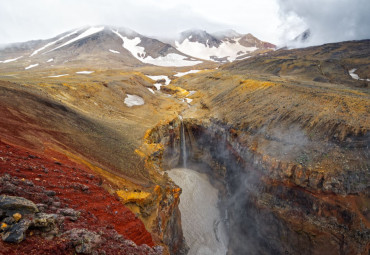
point(112, 142)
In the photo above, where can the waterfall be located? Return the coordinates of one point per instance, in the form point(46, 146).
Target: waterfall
point(183, 144)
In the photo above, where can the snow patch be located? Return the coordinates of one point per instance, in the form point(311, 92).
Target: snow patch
point(85, 72)
point(355, 76)
point(88, 32)
point(114, 51)
point(151, 90)
point(31, 66)
point(244, 58)
point(60, 75)
point(50, 60)
point(171, 59)
point(11, 60)
point(179, 74)
point(158, 86)
point(188, 100)
point(131, 45)
point(132, 100)
point(226, 49)
point(159, 77)
point(191, 92)
point(51, 43)
point(139, 53)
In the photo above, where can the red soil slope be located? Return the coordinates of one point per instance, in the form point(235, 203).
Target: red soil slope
point(75, 187)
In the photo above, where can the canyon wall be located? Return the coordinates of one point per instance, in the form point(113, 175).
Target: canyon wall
point(275, 206)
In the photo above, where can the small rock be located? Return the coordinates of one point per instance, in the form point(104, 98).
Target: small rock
point(79, 186)
point(29, 183)
point(41, 207)
point(72, 218)
point(9, 220)
point(69, 212)
point(56, 204)
point(52, 208)
point(84, 187)
point(17, 216)
point(50, 193)
point(6, 177)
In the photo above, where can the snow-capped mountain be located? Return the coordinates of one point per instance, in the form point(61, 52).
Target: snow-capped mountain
point(99, 45)
point(111, 47)
point(223, 46)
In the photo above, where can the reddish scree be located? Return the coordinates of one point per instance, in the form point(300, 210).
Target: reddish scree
point(76, 187)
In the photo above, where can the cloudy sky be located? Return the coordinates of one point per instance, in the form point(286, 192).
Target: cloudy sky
point(275, 21)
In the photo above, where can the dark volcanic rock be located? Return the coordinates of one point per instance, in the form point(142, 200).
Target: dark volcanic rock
point(17, 232)
point(12, 204)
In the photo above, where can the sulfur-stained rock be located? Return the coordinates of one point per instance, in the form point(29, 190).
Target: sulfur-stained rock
point(17, 216)
point(17, 232)
point(3, 227)
point(44, 220)
point(47, 223)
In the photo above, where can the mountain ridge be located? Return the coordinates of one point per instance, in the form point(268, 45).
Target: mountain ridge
point(223, 46)
point(89, 44)
point(124, 46)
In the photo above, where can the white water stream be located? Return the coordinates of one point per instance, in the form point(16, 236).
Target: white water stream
point(201, 220)
point(183, 145)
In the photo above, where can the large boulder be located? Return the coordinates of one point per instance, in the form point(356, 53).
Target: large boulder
point(83, 240)
point(12, 204)
point(17, 232)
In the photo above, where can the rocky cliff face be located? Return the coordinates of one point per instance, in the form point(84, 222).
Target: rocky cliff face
point(274, 207)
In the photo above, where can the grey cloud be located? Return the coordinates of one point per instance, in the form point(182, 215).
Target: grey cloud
point(328, 20)
point(39, 19)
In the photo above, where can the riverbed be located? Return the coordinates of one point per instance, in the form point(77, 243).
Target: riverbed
point(202, 223)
